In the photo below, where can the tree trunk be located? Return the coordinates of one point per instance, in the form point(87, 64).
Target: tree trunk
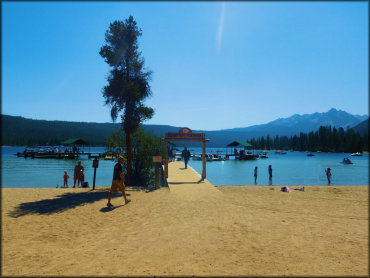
point(129, 157)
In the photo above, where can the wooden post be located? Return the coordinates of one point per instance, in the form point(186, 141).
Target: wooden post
point(204, 159)
point(157, 159)
point(95, 165)
point(156, 175)
point(165, 160)
point(165, 168)
point(94, 178)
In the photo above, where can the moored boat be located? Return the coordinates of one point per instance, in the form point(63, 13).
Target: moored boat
point(263, 155)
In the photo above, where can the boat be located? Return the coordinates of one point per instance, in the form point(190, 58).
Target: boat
point(217, 157)
point(356, 154)
point(283, 152)
point(28, 152)
point(248, 156)
point(46, 152)
point(197, 157)
point(310, 154)
point(346, 161)
point(109, 157)
point(263, 155)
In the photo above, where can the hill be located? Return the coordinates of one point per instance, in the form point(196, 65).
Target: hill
point(363, 127)
point(21, 131)
point(303, 123)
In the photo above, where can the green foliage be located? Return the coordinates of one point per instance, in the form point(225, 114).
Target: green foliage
point(326, 139)
point(128, 82)
point(145, 146)
point(115, 145)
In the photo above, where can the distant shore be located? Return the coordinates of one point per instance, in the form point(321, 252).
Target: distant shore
point(364, 152)
point(246, 230)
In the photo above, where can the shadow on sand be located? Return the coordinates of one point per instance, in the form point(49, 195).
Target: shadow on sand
point(62, 202)
point(186, 182)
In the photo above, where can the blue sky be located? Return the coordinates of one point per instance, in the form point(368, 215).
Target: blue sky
point(215, 65)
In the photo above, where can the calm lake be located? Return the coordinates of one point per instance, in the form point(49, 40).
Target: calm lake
point(294, 168)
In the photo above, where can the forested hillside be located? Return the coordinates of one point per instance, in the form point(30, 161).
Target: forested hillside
point(326, 139)
point(21, 131)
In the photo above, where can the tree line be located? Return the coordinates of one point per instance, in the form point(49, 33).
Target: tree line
point(325, 139)
point(18, 131)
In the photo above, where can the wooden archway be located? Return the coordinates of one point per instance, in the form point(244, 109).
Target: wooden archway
point(186, 135)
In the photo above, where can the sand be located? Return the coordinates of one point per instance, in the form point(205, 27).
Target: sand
point(235, 230)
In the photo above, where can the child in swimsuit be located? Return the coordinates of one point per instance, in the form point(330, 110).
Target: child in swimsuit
point(66, 177)
point(82, 177)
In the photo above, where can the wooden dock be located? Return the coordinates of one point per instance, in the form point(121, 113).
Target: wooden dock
point(188, 183)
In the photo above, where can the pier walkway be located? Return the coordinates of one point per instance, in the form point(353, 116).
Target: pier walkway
point(188, 183)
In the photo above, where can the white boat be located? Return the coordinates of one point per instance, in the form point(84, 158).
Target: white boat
point(263, 155)
point(356, 154)
point(217, 157)
point(196, 157)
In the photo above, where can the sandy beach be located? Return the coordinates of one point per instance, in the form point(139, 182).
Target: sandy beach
point(236, 230)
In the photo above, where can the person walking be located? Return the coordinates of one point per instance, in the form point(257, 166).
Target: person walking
point(118, 182)
point(328, 175)
point(255, 175)
point(76, 174)
point(185, 155)
point(270, 173)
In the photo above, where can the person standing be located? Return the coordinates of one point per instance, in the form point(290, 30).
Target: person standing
point(118, 182)
point(185, 155)
point(328, 175)
point(270, 173)
point(169, 154)
point(173, 154)
point(76, 174)
point(255, 175)
point(65, 177)
point(81, 178)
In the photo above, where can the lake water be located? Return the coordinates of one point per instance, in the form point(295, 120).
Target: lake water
point(294, 168)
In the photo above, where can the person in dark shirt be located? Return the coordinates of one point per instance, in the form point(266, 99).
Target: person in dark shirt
point(118, 182)
point(270, 172)
point(185, 155)
point(328, 175)
point(255, 175)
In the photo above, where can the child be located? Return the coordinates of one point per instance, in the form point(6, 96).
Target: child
point(81, 178)
point(66, 177)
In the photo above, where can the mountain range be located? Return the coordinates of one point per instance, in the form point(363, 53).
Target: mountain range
point(21, 131)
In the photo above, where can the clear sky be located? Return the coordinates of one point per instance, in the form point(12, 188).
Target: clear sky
point(215, 65)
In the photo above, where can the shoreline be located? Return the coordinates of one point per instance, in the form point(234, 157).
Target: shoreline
point(241, 231)
point(223, 147)
point(238, 185)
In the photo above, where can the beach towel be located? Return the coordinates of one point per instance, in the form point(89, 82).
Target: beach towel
point(285, 189)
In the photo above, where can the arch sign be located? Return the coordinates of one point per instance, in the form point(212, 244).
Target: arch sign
point(185, 134)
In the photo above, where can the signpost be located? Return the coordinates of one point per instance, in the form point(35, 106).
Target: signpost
point(95, 165)
point(157, 160)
